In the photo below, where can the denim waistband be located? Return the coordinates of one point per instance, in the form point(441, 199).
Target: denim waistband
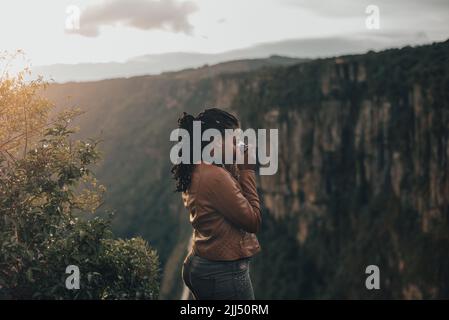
point(238, 264)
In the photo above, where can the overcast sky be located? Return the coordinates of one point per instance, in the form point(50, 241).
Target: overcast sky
point(116, 30)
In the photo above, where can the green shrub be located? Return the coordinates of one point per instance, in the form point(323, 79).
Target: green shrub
point(49, 200)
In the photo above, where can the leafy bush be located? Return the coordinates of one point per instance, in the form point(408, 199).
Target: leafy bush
point(46, 192)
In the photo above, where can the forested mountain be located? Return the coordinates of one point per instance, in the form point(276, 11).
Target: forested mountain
point(363, 167)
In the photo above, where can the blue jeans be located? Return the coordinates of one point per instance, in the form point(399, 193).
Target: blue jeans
point(217, 280)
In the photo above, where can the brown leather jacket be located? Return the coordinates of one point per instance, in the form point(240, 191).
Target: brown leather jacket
point(224, 212)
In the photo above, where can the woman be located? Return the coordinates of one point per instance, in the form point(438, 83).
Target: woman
point(225, 214)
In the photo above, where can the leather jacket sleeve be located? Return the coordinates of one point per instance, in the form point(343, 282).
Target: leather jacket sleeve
point(237, 201)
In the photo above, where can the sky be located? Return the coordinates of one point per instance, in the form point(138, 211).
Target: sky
point(74, 31)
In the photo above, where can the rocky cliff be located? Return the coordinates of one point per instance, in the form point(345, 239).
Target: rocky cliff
point(363, 168)
point(363, 175)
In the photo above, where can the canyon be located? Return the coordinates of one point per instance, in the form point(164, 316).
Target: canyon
point(363, 174)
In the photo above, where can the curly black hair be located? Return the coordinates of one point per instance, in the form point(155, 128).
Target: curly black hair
point(213, 118)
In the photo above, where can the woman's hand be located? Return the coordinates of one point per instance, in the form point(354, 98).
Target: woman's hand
point(249, 156)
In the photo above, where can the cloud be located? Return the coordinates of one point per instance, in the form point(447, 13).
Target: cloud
point(167, 15)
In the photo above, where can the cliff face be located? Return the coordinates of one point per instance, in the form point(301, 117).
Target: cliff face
point(363, 169)
point(363, 174)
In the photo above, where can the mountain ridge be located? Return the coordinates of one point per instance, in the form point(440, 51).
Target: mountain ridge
point(172, 61)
